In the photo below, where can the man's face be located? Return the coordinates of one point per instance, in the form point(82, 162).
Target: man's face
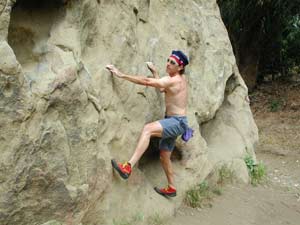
point(172, 66)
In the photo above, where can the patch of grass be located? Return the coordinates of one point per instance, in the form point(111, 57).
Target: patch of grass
point(202, 194)
point(139, 217)
point(123, 222)
point(225, 175)
point(257, 172)
point(155, 220)
point(217, 191)
point(134, 220)
point(195, 196)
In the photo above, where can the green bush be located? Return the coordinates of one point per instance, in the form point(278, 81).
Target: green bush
point(257, 172)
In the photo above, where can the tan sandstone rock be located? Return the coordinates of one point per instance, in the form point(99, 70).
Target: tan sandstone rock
point(63, 117)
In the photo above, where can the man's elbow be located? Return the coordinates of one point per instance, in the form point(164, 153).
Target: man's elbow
point(147, 82)
point(155, 85)
point(152, 82)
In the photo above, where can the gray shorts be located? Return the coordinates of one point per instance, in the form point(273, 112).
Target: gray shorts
point(173, 126)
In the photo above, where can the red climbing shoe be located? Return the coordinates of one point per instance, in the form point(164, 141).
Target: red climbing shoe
point(167, 192)
point(123, 169)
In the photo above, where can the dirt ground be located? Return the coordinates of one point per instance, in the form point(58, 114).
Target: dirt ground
point(276, 109)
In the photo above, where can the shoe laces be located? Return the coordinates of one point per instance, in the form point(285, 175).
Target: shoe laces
point(126, 166)
point(168, 188)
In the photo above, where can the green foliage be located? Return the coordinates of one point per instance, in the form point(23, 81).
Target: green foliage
point(257, 172)
point(195, 196)
point(155, 220)
point(138, 219)
point(134, 220)
point(250, 163)
point(291, 43)
point(217, 191)
point(123, 222)
point(202, 194)
point(294, 70)
point(225, 174)
point(264, 30)
point(275, 105)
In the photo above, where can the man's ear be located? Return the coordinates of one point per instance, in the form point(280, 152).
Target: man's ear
point(180, 67)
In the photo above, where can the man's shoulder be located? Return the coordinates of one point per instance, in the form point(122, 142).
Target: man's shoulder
point(165, 77)
point(176, 77)
point(179, 77)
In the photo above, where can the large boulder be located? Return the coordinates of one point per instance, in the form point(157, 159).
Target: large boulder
point(63, 117)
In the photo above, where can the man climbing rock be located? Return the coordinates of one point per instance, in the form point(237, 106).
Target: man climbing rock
point(168, 129)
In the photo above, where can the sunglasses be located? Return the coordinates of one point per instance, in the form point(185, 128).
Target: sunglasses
point(171, 62)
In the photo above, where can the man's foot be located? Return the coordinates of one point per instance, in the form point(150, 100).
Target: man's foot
point(167, 192)
point(123, 169)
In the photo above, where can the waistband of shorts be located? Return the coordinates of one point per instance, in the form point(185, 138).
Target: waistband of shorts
point(176, 116)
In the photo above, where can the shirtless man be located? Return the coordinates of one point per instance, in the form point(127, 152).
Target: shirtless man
point(175, 123)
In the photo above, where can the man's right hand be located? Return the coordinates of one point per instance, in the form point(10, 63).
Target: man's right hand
point(154, 72)
point(114, 71)
point(151, 67)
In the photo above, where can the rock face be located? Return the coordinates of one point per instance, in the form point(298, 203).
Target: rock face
point(63, 117)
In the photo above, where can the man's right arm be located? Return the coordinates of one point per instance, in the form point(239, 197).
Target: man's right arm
point(154, 72)
point(164, 82)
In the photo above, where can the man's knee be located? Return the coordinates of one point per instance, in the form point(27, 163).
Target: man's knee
point(151, 129)
point(147, 129)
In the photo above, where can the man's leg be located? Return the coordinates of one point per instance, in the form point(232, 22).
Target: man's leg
point(153, 129)
point(165, 159)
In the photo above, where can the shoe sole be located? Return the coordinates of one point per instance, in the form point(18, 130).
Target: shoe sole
point(116, 167)
point(164, 194)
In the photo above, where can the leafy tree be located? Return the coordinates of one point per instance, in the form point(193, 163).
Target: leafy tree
point(291, 42)
point(264, 35)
